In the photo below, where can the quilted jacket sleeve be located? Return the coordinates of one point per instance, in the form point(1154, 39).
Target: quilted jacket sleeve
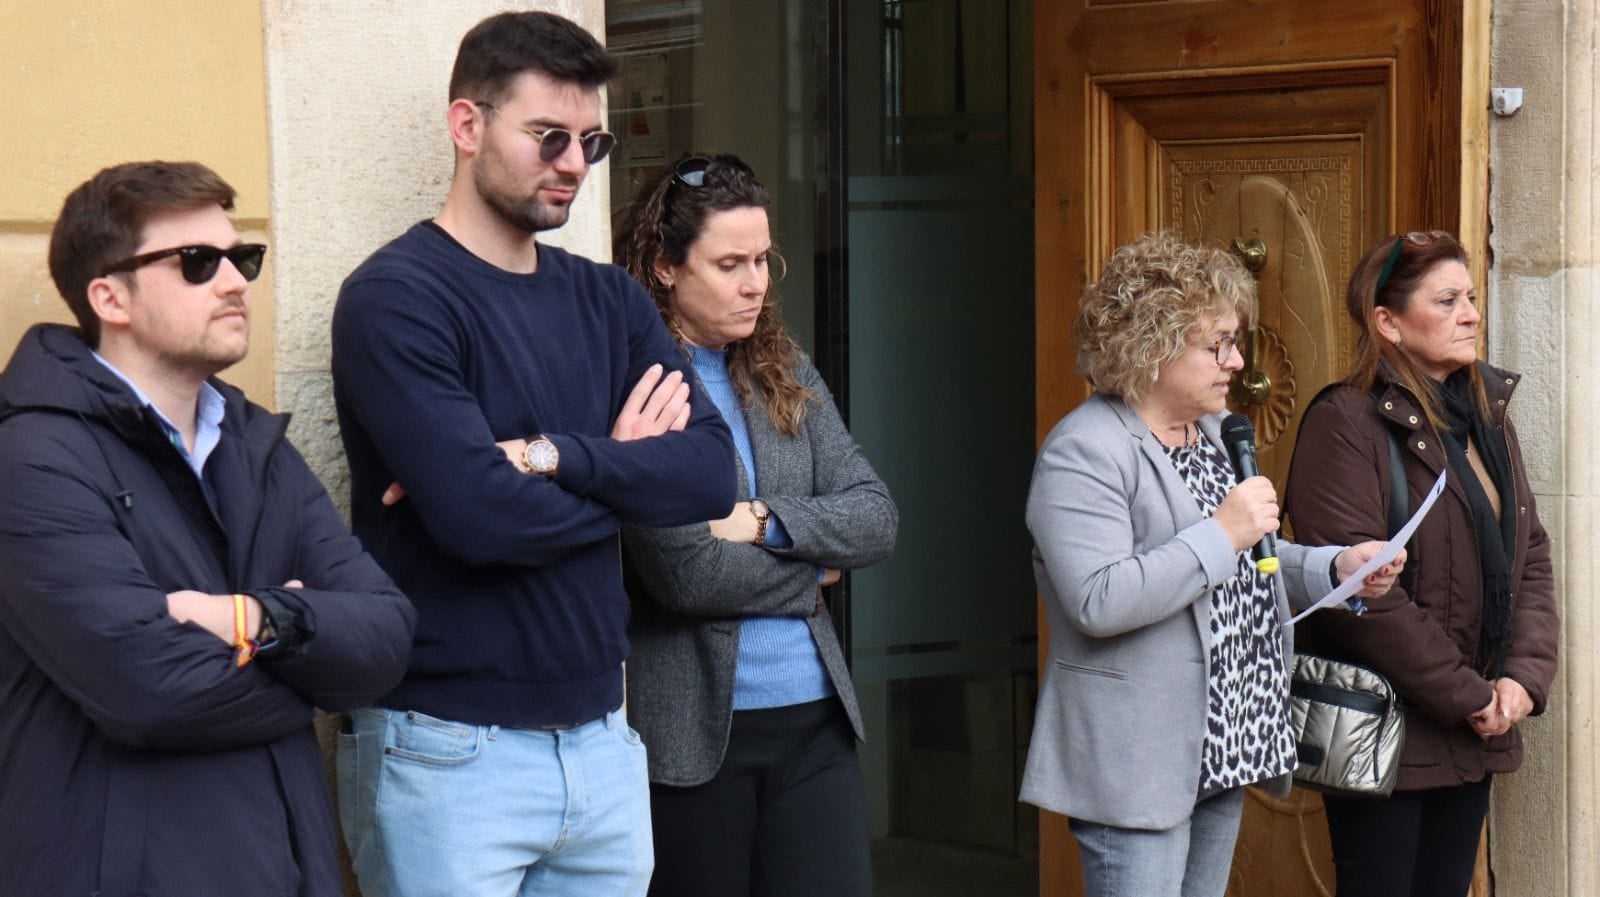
point(356, 625)
point(76, 598)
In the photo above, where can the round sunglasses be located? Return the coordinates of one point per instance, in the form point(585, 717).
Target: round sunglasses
point(200, 263)
point(596, 145)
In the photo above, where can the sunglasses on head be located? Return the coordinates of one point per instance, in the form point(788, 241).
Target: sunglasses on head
point(596, 145)
point(200, 263)
point(1415, 238)
point(691, 172)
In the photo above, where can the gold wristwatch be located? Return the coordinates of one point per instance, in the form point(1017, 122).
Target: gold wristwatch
point(541, 457)
point(763, 514)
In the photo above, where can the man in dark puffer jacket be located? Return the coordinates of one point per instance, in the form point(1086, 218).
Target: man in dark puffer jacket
point(178, 593)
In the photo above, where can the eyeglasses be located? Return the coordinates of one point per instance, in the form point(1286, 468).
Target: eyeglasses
point(553, 142)
point(1223, 348)
point(200, 263)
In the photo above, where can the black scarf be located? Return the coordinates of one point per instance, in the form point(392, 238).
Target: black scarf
point(1496, 538)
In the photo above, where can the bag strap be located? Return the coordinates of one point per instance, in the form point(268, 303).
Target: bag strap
point(1399, 501)
point(1399, 509)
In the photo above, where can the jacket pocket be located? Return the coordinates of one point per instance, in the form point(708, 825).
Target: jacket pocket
point(1105, 672)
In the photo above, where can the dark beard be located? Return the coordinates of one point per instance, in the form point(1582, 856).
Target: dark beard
point(526, 214)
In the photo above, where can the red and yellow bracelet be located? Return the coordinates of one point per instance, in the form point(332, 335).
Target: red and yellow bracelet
point(242, 642)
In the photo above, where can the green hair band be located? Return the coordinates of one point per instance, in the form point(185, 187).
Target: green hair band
point(1388, 266)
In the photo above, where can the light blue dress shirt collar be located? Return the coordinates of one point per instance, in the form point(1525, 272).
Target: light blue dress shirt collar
point(208, 420)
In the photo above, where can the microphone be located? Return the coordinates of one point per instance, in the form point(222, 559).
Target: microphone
point(1239, 436)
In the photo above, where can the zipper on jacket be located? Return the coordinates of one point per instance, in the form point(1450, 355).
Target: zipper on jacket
point(282, 427)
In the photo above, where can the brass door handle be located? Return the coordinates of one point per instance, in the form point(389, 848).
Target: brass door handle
point(1252, 252)
point(1252, 386)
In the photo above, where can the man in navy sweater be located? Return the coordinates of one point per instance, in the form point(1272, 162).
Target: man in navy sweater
point(528, 403)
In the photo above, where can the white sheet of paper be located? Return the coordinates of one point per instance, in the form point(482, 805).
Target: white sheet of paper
point(1353, 583)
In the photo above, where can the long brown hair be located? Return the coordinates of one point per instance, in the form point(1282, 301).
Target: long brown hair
point(1400, 262)
point(666, 217)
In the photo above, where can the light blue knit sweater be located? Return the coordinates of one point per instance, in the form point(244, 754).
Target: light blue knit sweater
point(778, 661)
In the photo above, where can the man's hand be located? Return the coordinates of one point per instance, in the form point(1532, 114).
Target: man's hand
point(1378, 583)
point(829, 576)
point(656, 405)
point(213, 613)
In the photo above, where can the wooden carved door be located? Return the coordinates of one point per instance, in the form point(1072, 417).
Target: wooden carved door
point(1296, 131)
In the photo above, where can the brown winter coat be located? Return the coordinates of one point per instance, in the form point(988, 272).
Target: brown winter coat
point(1424, 642)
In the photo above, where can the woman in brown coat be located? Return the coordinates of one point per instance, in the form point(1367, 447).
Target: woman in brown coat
point(1468, 636)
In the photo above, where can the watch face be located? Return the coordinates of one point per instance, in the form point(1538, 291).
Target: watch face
point(759, 507)
point(542, 456)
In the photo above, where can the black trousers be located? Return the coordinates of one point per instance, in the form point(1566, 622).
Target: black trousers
point(1412, 844)
point(785, 815)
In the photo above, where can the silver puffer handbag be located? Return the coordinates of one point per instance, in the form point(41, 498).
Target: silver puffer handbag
point(1348, 724)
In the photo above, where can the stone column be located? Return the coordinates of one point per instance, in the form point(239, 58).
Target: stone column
point(1544, 320)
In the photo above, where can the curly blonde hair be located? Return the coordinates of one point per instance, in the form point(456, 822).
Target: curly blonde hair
point(663, 221)
point(1149, 303)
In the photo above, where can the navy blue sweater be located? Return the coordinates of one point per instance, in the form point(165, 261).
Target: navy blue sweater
point(437, 355)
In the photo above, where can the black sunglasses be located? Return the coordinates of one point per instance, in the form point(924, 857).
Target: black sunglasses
point(200, 263)
point(554, 141)
point(691, 172)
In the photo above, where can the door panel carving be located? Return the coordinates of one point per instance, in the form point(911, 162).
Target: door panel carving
point(1302, 199)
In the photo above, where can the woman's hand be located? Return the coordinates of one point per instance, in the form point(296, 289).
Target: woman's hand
point(1491, 720)
point(1515, 705)
point(740, 526)
point(1377, 583)
point(1249, 512)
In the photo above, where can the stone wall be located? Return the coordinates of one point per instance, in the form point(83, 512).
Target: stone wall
point(86, 84)
point(1544, 320)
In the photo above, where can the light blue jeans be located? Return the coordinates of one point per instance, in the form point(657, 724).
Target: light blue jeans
point(1191, 860)
point(433, 807)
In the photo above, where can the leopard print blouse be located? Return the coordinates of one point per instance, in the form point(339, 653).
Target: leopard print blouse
point(1247, 734)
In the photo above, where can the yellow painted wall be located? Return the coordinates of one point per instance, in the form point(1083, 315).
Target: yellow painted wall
point(90, 83)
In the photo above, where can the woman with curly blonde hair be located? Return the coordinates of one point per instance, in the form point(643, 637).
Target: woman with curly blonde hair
point(1167, 687)
point(736, 679)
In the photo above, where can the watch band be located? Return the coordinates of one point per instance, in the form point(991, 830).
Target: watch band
point(762, 517)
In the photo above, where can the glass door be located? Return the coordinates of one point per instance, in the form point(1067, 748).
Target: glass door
point(941, 342)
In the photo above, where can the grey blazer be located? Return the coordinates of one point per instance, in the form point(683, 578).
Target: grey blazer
point(1126, 566)
point(689, 588)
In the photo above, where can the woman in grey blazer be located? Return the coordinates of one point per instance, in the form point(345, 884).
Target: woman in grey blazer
point(1166, 688)
point(736, 679)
